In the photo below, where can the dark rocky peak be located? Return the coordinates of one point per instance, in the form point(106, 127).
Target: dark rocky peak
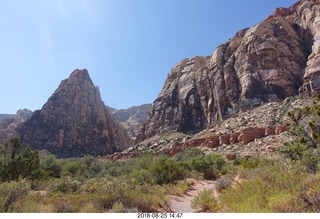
point(75, 122)
point(81, 74)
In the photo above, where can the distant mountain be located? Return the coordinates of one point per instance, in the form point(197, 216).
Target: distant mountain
point(9, 123)
point(132, 118)
point(3, 116)
point(270, 61)
point(74, 122)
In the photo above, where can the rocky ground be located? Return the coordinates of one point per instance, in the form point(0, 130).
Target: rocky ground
point(256, 132)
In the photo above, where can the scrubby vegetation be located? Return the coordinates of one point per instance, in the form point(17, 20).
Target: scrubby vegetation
point(290, 183)
point(89, 185)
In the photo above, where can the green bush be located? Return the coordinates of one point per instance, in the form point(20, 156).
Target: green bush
point(205, 201)
point(188, 154)
point(212, 166)
point(71, 168)
point(67, 186)
point(141, 176)
point(18, 161)
point(13, 194)
point(147, 198)
point(165, 170)
point(119, 168)
point(51, 166)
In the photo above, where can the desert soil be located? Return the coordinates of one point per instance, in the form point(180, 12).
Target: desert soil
point(183, 203)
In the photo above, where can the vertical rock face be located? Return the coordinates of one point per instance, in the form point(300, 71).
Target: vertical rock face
point(74, 122)
point(132, 118)
point(267, 62)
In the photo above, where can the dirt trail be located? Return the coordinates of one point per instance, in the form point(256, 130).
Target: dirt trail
point(183, 203)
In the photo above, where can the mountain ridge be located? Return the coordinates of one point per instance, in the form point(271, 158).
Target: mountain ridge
point(74, 121)
point(277, 58)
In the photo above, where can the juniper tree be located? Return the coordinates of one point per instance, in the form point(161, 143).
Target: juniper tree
point(305, 128)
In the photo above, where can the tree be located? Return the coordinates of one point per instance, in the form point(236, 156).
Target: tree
point(305, 128)
point(51, 166)
point(19, 161)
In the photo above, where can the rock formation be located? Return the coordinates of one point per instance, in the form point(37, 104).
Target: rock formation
point(74, 122)
point(274, 59)
point(132, 118)
point(9, 124)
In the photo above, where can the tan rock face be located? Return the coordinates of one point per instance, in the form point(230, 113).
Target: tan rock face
point(74, 122)
point(132, 118)
point(267, 62)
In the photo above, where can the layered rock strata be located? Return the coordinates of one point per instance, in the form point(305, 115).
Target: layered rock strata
point(274, 59)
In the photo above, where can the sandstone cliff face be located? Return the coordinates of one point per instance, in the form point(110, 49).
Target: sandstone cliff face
point(132, 118)
point(9, 124)
point(267, 62)
point(74, 122)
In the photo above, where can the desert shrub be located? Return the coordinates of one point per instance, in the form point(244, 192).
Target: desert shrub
point(284, 203)
point(119, 168)
point(67, 203)
point(118, 208)
point(141, 176)
point(310, 194)
point(205, 201)
point(89, 207)
point(188, 154)
point(95, 168)
point(252, 162)
point(223, 183)
point(211, 166)
point(107, 191)
point(30, 206)
point(165, 170)
point(13, 194)
point(51, 166)
point(63, 205)
point(71, 168)
point(92, 165)
point(147, 198)
point(68, 186)
point(270, 189)
point(179, 188)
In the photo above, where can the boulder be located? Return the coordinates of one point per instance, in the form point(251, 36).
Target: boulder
point(249, 134)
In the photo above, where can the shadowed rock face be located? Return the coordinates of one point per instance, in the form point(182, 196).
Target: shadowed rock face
point(267, 62)
point(132, 118)
point(74, 122)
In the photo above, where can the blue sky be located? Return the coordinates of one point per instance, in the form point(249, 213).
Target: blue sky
point(128, 46)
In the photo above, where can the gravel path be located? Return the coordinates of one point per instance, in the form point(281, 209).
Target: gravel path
point(183, 203)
